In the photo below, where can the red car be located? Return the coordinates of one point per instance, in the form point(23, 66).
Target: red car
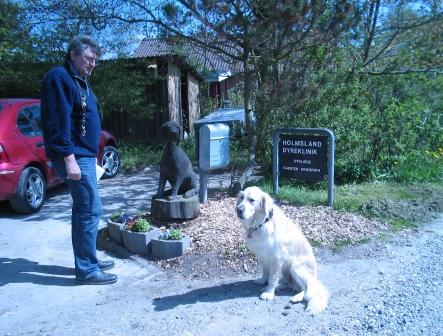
point(25, 174)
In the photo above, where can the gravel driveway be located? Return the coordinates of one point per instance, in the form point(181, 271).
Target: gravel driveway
point(389, 286)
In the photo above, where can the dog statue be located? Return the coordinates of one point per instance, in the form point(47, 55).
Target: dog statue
point(175, 166)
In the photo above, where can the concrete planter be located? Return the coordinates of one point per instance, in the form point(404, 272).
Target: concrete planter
point(165, 249)
point(139, 242)
point(115, 231)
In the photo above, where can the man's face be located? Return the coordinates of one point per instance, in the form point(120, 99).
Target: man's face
point(84, 63)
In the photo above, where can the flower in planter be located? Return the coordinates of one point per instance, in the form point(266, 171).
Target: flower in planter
point(120, 217)
point(170, 244)
point(171, 234)
point(138, 225)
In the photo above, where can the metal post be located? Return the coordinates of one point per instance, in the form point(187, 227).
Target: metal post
point(203, 192)
point(275, 177)
point(331, 163)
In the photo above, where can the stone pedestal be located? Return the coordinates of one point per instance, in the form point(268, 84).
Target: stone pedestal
point(175, 209)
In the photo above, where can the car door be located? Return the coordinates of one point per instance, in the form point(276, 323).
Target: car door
point(29, 125)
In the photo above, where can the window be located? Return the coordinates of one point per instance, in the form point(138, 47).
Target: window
point(29, 121)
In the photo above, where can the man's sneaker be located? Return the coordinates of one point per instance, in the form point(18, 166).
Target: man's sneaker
point(105, 265)
point(99, 278)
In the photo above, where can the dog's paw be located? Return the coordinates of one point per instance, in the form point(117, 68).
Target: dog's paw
point(266, 296)
point(261, 281)
point(298, 297)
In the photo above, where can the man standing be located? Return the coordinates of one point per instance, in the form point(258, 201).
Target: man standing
point(71, 122)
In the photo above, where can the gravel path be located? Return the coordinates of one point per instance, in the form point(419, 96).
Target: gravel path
point(389, 287)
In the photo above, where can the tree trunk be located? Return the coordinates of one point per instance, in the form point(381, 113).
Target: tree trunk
point(251, 131)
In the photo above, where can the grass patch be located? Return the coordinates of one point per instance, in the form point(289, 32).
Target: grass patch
point(350, 197)
point(340, 244)
point(297, 194)
point(399, 224)
point(315, 243)
point(402, 205)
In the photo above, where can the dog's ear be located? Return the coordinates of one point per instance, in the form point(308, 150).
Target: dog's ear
point(240, 196)
point(267, 203)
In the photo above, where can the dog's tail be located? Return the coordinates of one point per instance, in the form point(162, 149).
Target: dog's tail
point(317, 296)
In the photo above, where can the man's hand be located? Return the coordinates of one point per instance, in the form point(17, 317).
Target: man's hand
point(72, 168)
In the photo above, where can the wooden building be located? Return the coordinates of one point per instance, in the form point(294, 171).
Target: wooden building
point(178, 93)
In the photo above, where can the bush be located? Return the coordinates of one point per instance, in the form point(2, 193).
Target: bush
point(136, 155)
point(382, 125)
point(419, 166)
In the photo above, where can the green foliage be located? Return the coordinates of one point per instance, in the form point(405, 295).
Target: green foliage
point(419, 166)
point(136, 155)
point(139, 225)
point(352, 196)
point(399, 224)
point(188, 145)
point(171, 234)
point(382, 126)
point(175, 234)
point(123, 86)
point(117, 216)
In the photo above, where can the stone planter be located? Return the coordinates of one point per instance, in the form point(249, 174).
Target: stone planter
point(139, 242)
point(115, 231)
point(165, 249)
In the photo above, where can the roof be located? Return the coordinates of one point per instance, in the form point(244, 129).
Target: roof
point(204, 60)
point(223, 115)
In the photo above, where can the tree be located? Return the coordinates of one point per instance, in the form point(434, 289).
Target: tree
point(398, 37)
point(291, 52)
point(259, 35)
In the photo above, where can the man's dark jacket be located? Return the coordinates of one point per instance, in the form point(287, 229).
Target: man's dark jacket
point(61, 115)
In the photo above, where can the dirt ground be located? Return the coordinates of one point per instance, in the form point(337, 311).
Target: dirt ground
point(218, 248)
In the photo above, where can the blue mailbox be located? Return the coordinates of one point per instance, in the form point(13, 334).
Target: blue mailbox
point(213, 146)
point(212, 138)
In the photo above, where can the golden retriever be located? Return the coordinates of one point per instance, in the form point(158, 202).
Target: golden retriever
point(281, 249)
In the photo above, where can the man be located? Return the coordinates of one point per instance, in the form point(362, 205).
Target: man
point(71, 129)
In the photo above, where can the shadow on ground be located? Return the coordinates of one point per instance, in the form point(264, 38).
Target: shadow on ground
point(223, 292)
point(209, 294)
point(20, 270)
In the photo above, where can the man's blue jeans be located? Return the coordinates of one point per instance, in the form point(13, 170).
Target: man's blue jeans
point(86, 213)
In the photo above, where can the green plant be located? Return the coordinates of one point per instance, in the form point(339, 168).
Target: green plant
point(419, 166)
point(136, 155)
point(340, 244)
point(138, 225)
point(176, 234)
point(171, 234)
point(399, 224)
point(188, 145)
point(116, 216)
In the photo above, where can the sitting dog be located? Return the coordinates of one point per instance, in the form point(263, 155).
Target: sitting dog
point(281, 249)
point(175, 165)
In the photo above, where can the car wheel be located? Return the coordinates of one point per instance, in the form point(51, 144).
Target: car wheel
point(110, 161)
point(31, 191)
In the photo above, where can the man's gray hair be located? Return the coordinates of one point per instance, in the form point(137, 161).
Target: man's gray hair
point(80, 43)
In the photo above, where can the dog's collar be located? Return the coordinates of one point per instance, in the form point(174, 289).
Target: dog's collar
point(267, 219)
